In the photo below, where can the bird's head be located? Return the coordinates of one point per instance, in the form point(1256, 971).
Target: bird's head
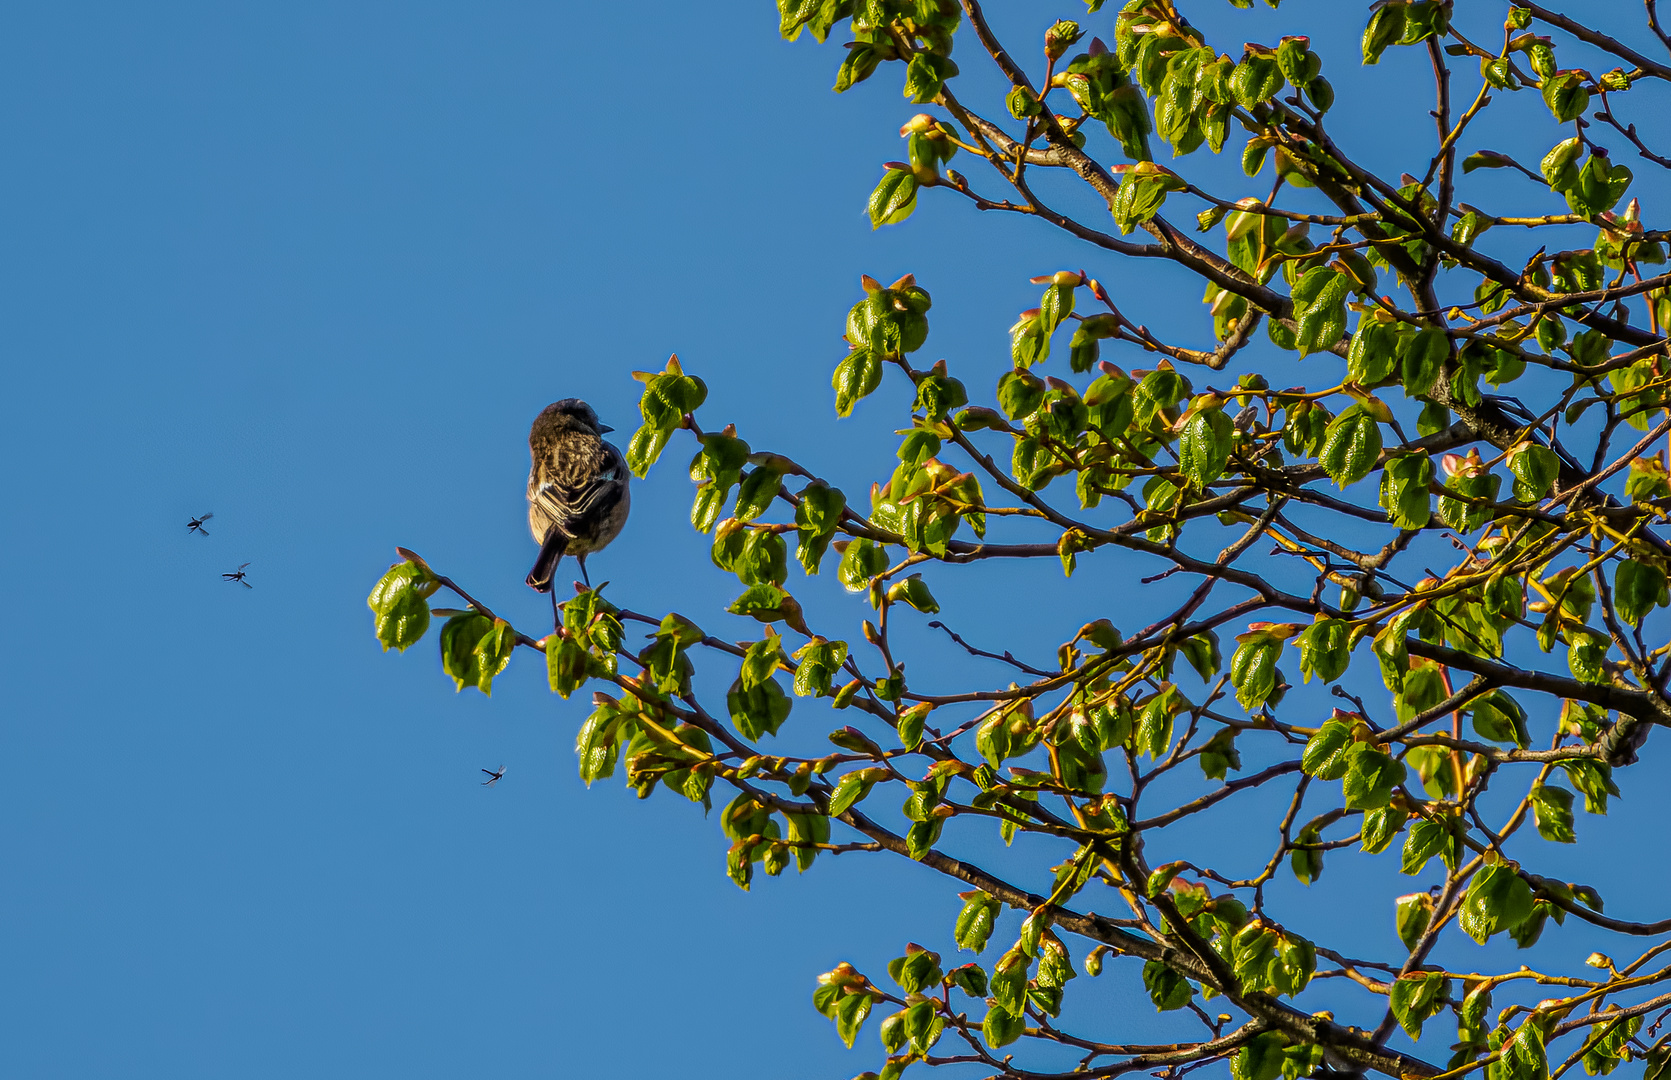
point(568, 415)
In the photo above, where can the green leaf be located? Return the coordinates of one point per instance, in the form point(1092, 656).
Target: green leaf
point(862, 560)
point(1325, 752)
point(400, 578)
point(1306, 859)
point(763, 601)
point(1154, 725)
point(645, 447)
point(757, 710)
point(894, 198)
point(403, 619)
point(916, 971)
point(1260, 1059)
point(1379, 829)
point(816, 519)
point(970, 978)
point(1351, 447)
point(1524, 1055)
point(475, 648)
point(1253, 670)
point(1424, 687)
point(807, 829)
point(1386, 27)
point(1405, 494)
point(1299, 65)
point(668, 396)
point(1219, 755)
point(1167, 989)
point(1371, 777)
point(1587, 654)
point(565, 663)
point(851, 1011)
point(856, 377)
point(1659, 1062)
point(910, 727)
point(992, 739)
point(1497, 900)
point(1594, 779)
point(1325, 650)
point(400, 606)
point(1638, 588)
point(1499, 718)
point(599, 742)
point(1535, 469)
point(1205, 445)
point(1552, 807)
point(1566, 96)
point(914, 591)
point(1321, 323)
point(708, 505)
point(817, 663)
point(1428, 838)
point(758, 490)
point(1415, 998)
point(1203, 655)
point(975, 921)
point(1256, 79)
point(1422, 359)
point(1373, 354)
point(760, 660)
point(762, 558)
point(1002, 1027)
point(1142, 191)
point(851, 789)
point(1020, 393)
point(925, 74)
point(1560, 166)
point(1413, 914)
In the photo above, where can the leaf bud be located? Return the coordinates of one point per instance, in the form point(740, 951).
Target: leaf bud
point(1061, 37)
point(914, 591)
point(1617, 79)
point(1241, 222)
point(851, 738)
point(1209, 217)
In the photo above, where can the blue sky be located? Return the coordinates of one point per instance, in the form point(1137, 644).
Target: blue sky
point(314, 269)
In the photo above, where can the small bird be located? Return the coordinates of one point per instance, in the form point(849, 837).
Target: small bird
point(577, 488)
point(493, 777)
point(195, 525)
point(238, 576)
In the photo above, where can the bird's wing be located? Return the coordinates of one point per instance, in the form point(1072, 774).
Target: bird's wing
point(205, 517)
point(581, 492)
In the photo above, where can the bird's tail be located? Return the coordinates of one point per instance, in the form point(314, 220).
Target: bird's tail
point(545, 566)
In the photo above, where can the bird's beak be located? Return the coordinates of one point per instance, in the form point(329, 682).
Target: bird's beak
point(604, 429)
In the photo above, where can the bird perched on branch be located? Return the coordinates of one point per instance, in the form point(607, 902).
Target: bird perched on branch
point(577, 488)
